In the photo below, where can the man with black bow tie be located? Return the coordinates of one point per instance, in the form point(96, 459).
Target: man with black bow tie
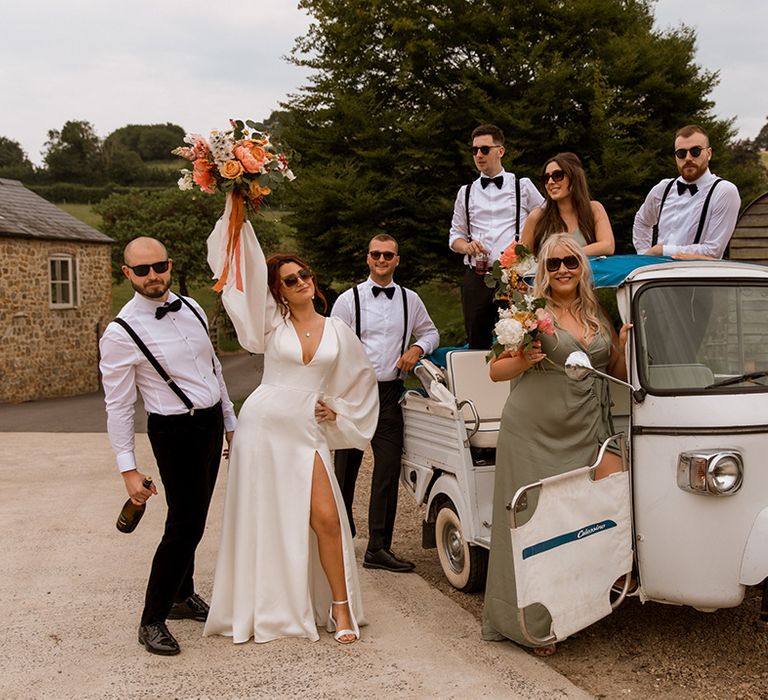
point(159, 345)
point(488, 216)
point(385, 316)
point(692, 216)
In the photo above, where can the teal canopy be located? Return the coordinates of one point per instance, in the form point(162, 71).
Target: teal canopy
point(611, 271)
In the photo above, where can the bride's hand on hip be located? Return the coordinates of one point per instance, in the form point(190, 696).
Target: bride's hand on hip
point(323, 412)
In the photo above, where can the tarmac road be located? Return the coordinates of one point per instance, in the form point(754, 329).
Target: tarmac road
point(85, 414)
point(73, 587)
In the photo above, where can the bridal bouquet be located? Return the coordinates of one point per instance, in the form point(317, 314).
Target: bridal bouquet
point(525, 316)
point(243, 162)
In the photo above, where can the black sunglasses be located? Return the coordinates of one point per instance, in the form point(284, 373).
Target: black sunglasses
point(485, 150)
point(293, 279)
point(556, 175)
point(386, 254)
point(143, 270)
point(695, 151)
point(571, 262)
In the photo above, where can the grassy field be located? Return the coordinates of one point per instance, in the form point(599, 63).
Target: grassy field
point(84, 212)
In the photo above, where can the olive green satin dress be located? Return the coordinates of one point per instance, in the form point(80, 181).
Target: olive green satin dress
point(550, 425)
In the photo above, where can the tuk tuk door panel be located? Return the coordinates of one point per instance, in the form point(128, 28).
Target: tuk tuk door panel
point(689, 546)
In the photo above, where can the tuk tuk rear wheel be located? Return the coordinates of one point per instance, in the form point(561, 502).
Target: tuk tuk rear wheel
point(464, 565)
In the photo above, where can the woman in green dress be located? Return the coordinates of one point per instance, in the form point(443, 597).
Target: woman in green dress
point(568, 207)
point(550, 424)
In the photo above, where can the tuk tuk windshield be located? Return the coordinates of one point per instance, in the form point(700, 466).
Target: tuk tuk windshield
point(702, 337)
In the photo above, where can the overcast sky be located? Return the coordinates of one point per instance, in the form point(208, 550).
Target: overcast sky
point(197, 63)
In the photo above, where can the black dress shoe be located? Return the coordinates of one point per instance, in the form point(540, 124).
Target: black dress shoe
point(193, 608)
point(158, 640)
point(384, 559)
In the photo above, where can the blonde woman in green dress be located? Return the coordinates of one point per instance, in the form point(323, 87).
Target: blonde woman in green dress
point(550, 423)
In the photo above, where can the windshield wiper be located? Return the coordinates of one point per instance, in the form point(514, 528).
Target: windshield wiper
point(741, 378)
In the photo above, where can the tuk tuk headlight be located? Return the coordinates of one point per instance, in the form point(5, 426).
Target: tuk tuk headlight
point(712, 472)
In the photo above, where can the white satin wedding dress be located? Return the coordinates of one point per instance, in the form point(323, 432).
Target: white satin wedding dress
point(269, 582)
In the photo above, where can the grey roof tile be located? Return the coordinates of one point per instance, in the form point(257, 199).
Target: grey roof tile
point(24, 214)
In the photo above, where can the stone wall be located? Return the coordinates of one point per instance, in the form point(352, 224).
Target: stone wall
point(47, 352)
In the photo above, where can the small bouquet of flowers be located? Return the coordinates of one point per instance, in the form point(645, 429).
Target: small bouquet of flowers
point(244, 163)
point(525, 316)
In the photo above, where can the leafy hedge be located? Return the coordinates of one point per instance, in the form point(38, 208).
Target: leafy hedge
point(84, 194)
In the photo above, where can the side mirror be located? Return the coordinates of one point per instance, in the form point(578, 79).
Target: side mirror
point(578, 367)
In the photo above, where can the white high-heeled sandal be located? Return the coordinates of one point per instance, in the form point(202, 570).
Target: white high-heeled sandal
point(342, 633)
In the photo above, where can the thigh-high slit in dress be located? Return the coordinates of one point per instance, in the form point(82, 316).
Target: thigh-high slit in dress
point(269, 582)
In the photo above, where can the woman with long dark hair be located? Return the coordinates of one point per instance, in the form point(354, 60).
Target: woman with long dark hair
point(568, 208)
point(286, 564)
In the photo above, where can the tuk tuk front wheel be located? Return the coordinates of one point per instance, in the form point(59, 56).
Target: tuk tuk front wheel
point(464, 565)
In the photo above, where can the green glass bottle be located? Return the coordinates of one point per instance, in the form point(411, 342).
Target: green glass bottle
point(131, 513)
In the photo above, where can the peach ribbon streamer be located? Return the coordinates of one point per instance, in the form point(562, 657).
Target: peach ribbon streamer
point(236, 221)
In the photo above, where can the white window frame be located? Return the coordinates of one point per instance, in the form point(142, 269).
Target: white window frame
point(56, 262)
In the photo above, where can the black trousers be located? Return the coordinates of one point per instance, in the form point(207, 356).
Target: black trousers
point(387, 447)
point(187, 449)
point(480, 310)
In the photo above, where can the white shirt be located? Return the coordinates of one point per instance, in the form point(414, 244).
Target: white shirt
point(493, 213)
point(181, 345)
point(680, 218)
point(381, 326)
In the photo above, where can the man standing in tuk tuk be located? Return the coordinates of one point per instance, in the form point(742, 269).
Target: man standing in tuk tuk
point(385, 316)
point(488, 216)
point(691, 216)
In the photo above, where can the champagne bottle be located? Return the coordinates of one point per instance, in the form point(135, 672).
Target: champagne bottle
point(131, 513)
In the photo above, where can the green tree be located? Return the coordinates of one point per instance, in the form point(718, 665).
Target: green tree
point(397, 86)
point(122, 164)
point(181, 220)
point(13, 160)
point(74, 154)
point(761, 140)
point(11, 153)
point(149, 141)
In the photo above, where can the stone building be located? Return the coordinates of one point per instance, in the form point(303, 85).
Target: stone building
point(55, 298)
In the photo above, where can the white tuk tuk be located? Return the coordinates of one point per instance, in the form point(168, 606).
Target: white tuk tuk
point(688, 517)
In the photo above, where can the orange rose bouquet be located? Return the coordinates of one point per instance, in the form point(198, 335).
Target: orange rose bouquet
point(245, 163)
point(243, 159)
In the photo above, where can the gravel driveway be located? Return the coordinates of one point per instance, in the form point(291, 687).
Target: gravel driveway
point(640, 651)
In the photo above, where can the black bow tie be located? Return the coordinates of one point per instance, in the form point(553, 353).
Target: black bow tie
point(389, 291)
point(498, 181)
point(160, 311)
point(683, 186)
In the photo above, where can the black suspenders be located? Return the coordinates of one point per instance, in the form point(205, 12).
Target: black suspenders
point(655, 234)
point(517, 209)
point(173, 386)
point(702, 218)
point(356, 294)
point(704, 210)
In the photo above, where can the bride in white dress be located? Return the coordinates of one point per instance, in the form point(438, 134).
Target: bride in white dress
point(286, 548)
